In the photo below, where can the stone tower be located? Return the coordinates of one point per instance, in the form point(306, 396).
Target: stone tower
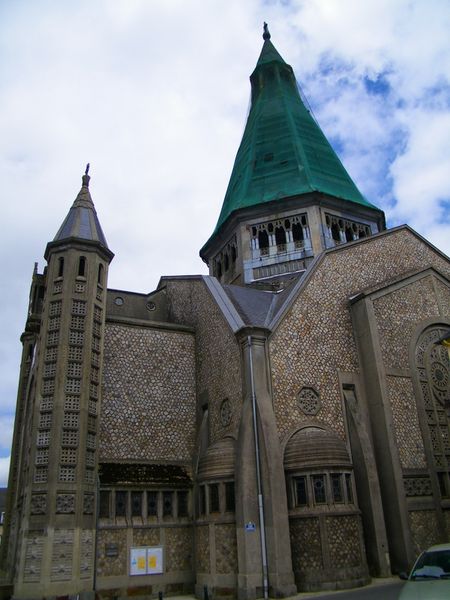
point(289, 196)
point(52, 540)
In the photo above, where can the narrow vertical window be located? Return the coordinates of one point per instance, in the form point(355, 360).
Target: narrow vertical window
point(182, 503)
point(104, 508)
point(348, 487)
point(60, 266)
point(100, 274)
point(82, 266)
point(167, 504)
point(229, 496)
point(214, 506)
point(136, 504)
point(152, 504)
point(336, 487)
point(301, 491)
point(202, 507)
point(121, 504)
point(318, 482)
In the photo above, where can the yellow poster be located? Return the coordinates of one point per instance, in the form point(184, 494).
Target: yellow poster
point(141, 562)
point(152, 561)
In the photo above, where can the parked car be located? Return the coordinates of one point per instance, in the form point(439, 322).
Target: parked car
point(430, 576)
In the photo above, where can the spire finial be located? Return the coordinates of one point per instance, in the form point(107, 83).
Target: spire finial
point(86, 177)
point(266, 34)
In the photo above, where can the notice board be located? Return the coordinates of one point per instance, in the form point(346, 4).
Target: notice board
point(146, 560)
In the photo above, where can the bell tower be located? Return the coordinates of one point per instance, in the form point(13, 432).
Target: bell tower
point(54, 553)
point(289, 196)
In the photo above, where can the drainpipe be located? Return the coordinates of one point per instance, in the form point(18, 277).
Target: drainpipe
point(262, 524)
point(97, 516)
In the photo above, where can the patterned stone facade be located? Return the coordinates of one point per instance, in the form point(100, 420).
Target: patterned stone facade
point(310, 348)
point(218, 364)
point(406, 423)
point(148, 409)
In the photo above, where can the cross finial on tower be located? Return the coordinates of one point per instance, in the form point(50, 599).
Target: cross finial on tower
point(266, 34)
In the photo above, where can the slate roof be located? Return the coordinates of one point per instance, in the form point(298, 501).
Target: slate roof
point(82, 221)
point(257, 308)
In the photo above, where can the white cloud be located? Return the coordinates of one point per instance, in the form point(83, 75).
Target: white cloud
point(154, 95)
point(4, 471)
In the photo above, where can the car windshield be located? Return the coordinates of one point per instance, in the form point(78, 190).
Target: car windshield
point(432, 564)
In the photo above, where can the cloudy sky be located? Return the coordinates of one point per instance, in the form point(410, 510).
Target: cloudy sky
point(154, 94)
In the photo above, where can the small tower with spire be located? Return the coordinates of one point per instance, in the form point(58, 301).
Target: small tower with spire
point(57, 453)
point(289, 196)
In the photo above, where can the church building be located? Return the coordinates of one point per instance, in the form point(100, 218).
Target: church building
point(279, 425)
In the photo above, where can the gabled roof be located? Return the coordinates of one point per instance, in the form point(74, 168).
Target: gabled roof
point(283, 152)
point(82, 221)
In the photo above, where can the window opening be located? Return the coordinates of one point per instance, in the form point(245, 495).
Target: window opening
point(280, 239)
point(263, 240)
point(82, 266)
point(336, 487)
point(121, 504)
point(335, 234)
point(104, 511)
point(60, 266)
point(202, 506)
point(229, 496)
point(136, 504)
point(152, 504)
point(319, 489)
point(167, 504)
point(214, 506)
point(348, 486)
point(182, 501)
point(100, 274)
point(301, 491)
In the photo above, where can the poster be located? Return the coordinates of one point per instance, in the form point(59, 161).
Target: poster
point(138, 561)
point(146, 561)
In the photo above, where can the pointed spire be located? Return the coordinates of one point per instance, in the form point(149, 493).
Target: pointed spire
point(283, 152)
point(82, 221)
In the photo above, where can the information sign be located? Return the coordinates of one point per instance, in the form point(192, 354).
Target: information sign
point(146, 561)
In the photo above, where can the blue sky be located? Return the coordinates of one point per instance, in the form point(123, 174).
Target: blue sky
point(155, 95)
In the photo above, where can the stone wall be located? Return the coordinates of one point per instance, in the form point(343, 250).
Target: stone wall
point(315, 340)
point(148, 408)
point(218, 364)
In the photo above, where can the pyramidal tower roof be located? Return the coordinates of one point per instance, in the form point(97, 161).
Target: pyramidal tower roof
point(82, 221)
point(283, 152)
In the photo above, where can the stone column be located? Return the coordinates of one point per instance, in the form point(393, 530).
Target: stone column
point(279, 562)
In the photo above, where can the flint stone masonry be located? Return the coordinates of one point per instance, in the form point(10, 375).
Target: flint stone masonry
point(315, 339)
point(218, 365)
point(397, 314)
point(406, 423)
point(148, 409)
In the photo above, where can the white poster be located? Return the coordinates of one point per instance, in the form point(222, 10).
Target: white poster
point(138, 561)
point(154, 560)
point(146, 561)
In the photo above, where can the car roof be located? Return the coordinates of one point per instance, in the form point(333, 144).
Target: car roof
point(438, 547)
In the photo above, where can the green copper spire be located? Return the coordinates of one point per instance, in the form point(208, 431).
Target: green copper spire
point(283, 152)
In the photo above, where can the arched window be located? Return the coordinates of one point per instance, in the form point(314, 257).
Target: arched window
point(280, 238)
point(100, 274)
point(297, 234)
point(82, 266)
point(335, 233)
point(263, 240)
point(348, 234)
point(226, 262)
